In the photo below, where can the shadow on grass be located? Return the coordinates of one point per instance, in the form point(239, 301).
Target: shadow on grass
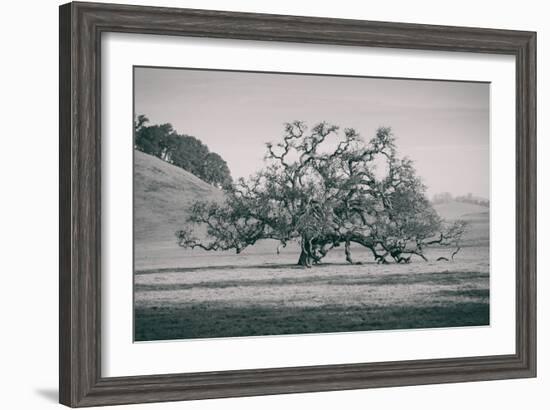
point(212, 321)
point(290, 266)
point(435, 278)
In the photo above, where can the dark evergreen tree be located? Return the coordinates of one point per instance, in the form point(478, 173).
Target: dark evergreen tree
point(184, 151)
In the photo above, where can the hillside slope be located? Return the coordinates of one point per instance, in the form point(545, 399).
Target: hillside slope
point(478, 229)
point(162, 194)
point(454, 210)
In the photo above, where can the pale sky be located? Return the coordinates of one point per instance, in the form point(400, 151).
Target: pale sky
point(442, 126)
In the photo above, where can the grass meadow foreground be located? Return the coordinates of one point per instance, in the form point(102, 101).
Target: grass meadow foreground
point(271, 299)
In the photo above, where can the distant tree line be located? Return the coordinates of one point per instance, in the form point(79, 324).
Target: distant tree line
point(445, 197)
point(184, 151)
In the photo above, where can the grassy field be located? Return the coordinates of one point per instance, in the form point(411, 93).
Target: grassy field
point(195, 294)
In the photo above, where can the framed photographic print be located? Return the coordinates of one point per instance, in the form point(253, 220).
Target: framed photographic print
point(258, 204)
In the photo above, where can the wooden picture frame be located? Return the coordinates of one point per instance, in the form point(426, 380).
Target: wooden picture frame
point(81, 27)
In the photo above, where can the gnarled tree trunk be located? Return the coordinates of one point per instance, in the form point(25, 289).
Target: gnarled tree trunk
point(348, 252)
point(305, 259)
point(306, 255)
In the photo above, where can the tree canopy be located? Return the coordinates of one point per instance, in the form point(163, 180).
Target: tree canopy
point(325, 188)
point(181, 150)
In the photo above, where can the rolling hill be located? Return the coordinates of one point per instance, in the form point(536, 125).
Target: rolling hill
point(454, 209)
point(478, 228)
point(162, 192)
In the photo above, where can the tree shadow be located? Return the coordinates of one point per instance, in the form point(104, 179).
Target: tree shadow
point(232, 267)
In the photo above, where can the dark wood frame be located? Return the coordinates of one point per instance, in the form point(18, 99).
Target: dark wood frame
point(81, 26)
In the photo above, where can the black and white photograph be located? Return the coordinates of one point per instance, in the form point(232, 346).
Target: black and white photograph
point(284, 203)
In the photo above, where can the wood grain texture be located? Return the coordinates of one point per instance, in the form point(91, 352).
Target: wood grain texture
point(65, 243)
point(81, 25)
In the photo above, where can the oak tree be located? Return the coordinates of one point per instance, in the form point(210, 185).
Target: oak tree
point(325, 188)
